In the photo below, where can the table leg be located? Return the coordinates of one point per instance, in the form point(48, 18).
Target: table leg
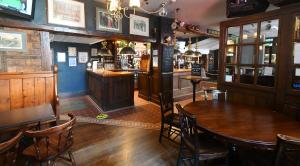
point(194, 89)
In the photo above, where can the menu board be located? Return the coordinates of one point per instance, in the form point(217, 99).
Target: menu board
point(167, 58)
point(196, 69)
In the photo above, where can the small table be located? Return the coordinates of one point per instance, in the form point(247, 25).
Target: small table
point(20, 118)
point(242, 124)
point(194, 80)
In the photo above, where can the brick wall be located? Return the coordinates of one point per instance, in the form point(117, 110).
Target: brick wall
point(29, 60)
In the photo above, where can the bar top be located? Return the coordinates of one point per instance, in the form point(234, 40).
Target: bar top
point(181, 70)
point(107, 73)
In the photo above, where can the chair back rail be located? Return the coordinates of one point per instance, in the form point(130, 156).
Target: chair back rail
point(188, 128)
point(62, 133)
point(9, 150)
point(20, 90)
point(288, 151)
point(166, 104)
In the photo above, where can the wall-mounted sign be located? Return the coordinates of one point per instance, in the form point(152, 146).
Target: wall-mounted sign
point(72, 51)
point(139, 25)
point(12, 41)
point(83, 57)
point(68, 13)
point(94, 52)
point(106, 22)
point(72, 61)
point(61, 57)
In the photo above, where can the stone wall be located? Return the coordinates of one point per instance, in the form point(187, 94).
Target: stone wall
point(29, 60)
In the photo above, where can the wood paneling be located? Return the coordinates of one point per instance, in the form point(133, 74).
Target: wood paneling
point(111, 91)
point(19, 90)
point(281, 96)
point(4, 95)
point(16, 100)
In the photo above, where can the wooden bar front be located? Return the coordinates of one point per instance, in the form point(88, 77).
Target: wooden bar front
point(111, 90)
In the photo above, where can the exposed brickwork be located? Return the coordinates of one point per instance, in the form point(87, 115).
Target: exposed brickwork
point(26, 61)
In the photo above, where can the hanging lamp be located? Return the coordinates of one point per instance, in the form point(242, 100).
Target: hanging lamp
point(190, 52)
point(103, 50)
point(127, 50)
point(197, 53)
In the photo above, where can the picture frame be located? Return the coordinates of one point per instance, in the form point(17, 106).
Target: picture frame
point(94, 52)
point(72, 51)
point(139, 25)
point(83, 57)
point(67, 13)
point(72, 61)
point(61, 57)
point(13, 41)
point(105, 22)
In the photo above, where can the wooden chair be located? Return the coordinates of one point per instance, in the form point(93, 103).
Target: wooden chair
point(216, 94)
point(200, 146)
point(9, 150)
point(288, 151)
point(51, 143)
point(168, 117)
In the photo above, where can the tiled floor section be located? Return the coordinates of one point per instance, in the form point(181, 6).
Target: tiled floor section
point(143, 115)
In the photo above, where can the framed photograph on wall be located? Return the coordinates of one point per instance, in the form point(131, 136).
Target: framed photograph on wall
point(139, 25)
point(61, 57)
point(83, 57)
point(72, 61)
point(106, 22)
point(68, 13)
point(94, 52)
point(72, 51)
point(12, 41)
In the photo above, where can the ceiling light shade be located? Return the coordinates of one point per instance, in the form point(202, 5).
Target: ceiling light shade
point(104, 52)
point(134, 3)
point(197, 53)
point(163, 12)
point(176, 52)
point(127, 51)
point(113, 5)
point(189, 53)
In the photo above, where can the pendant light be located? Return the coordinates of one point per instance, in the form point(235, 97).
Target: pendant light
point(190, 52)
point(176, 50)
point(127, 50)
point(197, 53)
point(103, 50)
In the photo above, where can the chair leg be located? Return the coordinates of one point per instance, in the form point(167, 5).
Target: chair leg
point(161, 132)
point(196, 160)
point(169, 131)
point(179, 159)
point(72, 158)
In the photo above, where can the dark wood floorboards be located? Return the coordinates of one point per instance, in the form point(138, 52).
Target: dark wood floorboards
point(103, 145)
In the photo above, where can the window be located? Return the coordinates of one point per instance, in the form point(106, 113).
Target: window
point(296, 56)
point(251, 53)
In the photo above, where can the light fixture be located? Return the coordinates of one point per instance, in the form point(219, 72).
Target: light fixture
point(189, 52)
point(197, 53)
point(104, 51)
point(114, 7)
point(127, 50)
point(176, 50)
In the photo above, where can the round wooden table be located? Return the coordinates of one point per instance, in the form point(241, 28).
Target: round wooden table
point(243, 124)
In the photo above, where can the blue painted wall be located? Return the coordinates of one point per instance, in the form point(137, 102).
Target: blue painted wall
point(71, 80)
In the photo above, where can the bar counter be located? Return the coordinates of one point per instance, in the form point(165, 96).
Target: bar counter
point(111, 90)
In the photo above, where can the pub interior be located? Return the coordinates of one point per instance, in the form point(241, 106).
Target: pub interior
point(146, 83)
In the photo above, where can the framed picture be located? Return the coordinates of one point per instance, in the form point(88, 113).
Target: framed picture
point(83, 57)
point(12, 41)
point(105, 22)
point(94, 51)
point(72, 51)
point(68, 13)
point(72, 61)
point(61, 57)
point(139, 25)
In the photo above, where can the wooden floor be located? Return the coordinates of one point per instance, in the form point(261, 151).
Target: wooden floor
point(103, 145)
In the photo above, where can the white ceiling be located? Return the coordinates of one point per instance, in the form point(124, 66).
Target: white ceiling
point(208, 13)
